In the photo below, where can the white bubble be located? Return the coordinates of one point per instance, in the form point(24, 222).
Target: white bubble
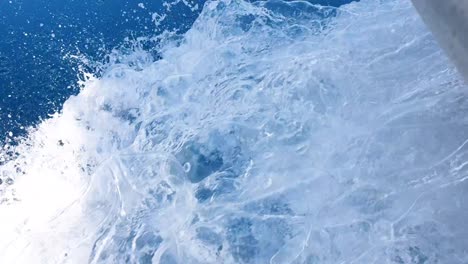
point(187, 166)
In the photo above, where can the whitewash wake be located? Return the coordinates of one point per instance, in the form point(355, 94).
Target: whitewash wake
point(272, 132)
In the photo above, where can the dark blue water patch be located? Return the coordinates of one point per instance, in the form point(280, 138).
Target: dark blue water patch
point(269, 206)
point(222, 186)
point(147, 243)
point(201, 164)
point(209, 236)
point(242, 242)
point(203, 194)
point(253, 239)
point(217, 155)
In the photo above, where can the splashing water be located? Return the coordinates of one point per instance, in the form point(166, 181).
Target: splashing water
point(272, 132)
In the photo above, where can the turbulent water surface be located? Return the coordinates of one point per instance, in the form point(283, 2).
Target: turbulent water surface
point(270, 132)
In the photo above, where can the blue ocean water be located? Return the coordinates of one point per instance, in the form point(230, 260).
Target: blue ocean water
point(38, 37)
point(229, 131)
point(36, 73)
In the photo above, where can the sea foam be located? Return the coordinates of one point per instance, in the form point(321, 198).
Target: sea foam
point(271, 132)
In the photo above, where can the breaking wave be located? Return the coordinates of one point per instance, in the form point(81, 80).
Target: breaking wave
point(271, 132)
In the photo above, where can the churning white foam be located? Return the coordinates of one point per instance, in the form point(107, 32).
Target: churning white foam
point(273, 132)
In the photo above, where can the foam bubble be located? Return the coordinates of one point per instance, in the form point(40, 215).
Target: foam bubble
point(312, 135)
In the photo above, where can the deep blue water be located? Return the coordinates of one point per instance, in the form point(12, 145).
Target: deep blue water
point(36, 76)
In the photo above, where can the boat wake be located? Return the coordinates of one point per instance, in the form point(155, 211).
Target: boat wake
point(271, 132)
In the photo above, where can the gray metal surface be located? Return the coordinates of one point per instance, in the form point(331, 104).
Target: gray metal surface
point(448, 20)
